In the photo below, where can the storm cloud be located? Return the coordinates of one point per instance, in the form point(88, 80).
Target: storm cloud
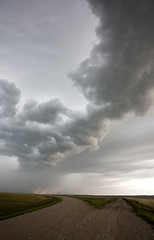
point(117, 79)
point(9, 97)
point(119, 74)
point(41, 133)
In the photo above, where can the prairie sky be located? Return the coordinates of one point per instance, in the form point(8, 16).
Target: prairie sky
point(77, 96)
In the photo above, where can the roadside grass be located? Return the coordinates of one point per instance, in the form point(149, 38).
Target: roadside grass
point(97, 202)
point(14, 204)
point(143, 207)
point(145, 201)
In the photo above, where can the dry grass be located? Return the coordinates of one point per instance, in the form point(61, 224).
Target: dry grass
point(145, 201)
point(97, 202)
point(144, 207)
point(12, 204)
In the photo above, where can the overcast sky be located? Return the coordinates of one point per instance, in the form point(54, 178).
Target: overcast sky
point(77, 96)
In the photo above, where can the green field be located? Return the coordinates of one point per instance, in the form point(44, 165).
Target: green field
point(97, 202)
point(144, 207)
point(13, 204)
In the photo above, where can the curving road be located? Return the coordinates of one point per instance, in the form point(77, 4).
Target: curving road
point(74, 219)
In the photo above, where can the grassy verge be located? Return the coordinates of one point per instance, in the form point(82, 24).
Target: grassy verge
point(97, 202)
point(12, 204)
point(143, 208)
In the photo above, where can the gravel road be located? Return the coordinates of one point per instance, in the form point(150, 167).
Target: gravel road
point(74, 219)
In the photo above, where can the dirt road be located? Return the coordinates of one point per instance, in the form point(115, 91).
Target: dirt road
point(75, 220)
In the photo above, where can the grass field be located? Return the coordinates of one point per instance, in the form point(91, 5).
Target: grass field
point(97, 202)
point(143, 207)
point(12, 204)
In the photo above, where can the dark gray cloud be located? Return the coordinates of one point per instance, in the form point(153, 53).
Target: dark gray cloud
point(9, 97)
point(48, 112)
point(40, 134)
point(119, 74)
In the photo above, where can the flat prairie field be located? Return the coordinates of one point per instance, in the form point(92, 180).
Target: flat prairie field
point(144, 207)
point(97, 202)
point(73, 219)
point(145, 201)
point(13, 204)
